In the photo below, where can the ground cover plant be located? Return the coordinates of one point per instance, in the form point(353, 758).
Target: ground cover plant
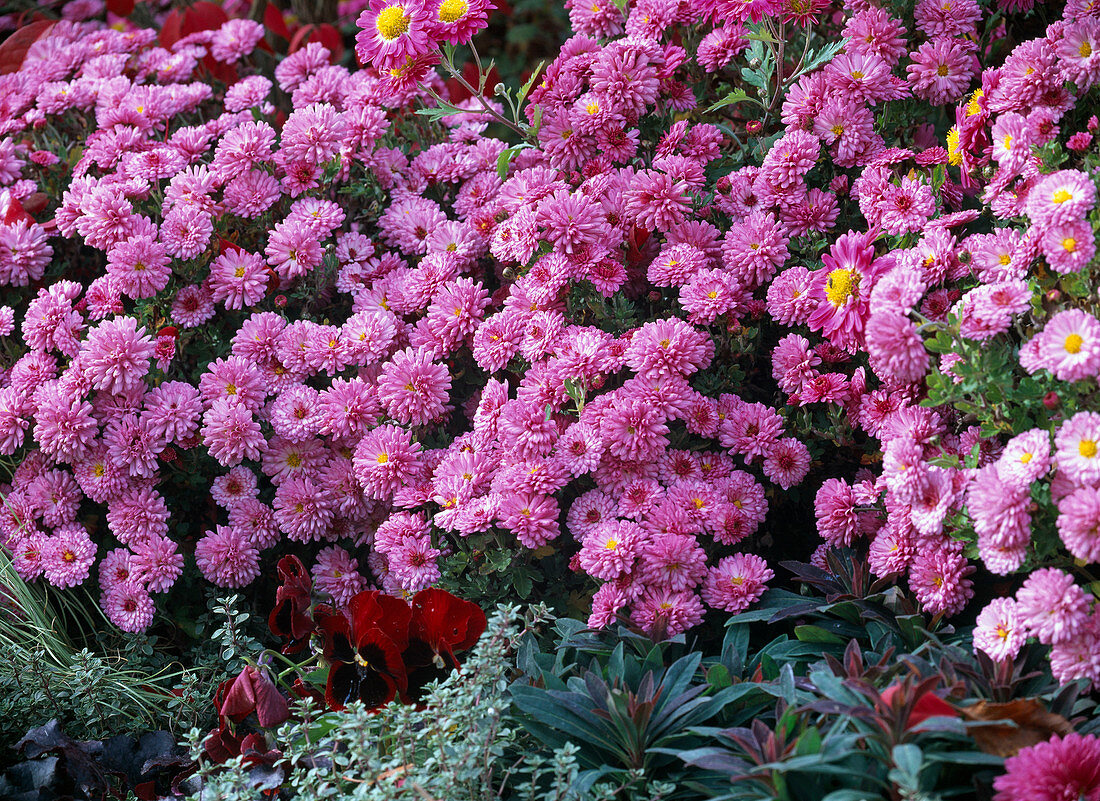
point(755, 341)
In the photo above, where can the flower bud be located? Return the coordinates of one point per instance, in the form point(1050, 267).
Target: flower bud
point(1052, 401)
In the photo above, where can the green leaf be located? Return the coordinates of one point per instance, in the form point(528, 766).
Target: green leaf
point(505, 158)
point(734, 97)
point(817, 634)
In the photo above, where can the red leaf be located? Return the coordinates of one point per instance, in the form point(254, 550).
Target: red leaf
point(275, 22)
point(299, 39)
point(170, 32)
point(122, 8)
point(330, 37)
point(203, 16)
point(14, 49)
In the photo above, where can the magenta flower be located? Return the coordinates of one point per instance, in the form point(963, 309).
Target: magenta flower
point(1061, 768)
point(117, 354)
point(736, 582)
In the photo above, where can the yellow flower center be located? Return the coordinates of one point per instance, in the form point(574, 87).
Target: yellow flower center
point(611, 544)
point(1004, 259)
point(293, 460)
point(1002, 632)
point(712, 295)
point(842, 284)
point(857, 75)
point(452, 10)
point(230, 389)
point(1070, 244)
point(1062, 195)
point(99, 471)
point(972, 106)
point(1073, 343)
point(941, 70)
point(837, 129)
point(383, 458)
point(1085, 50)
point(1087, 448)
point(1008, 141)
point(737, 581)
point(239, 272)
point(392, 22)
point(592, 107)
point(1025, 458)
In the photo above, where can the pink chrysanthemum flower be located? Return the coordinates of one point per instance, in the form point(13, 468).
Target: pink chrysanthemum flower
point(1052, 606)
point(156, 563)
point(937, 578)
point(412, 388)
point(1061, 768)
point(231, 433)
point(235, 39)
point(193, 306)
point(391, 32)
point(456, 21)
point(941, 70)
point(1077, 446)
point(668, 347)
point(896, 350)
point(238, 279)
point(787, 463)
point(227, 558)
point(754, 249)
point(736, 582)
point(843, 288)
point(116, 355)
point(1068, 246)
point(1026, 457)
point(609, 549)
point(235, 380)
point(834, 508)
point(385, 459)
point(140, 266)
point(67, 556)
point(663, 612)
point(231, 488)
point(1069, 346)
point(129, 606)
point(303, 511)
point(1079, 523)
point(172, 411)
point(1061, 197)
point(999, 632)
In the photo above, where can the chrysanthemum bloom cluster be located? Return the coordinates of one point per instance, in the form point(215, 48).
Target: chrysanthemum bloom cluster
point(468, 390)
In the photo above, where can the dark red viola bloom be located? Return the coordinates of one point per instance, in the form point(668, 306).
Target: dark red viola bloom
point(365, 650)
point(290, 617)
point(253, 692)
point(441, 625)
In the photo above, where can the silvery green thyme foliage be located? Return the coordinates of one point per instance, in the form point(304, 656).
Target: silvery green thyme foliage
point(459, 745)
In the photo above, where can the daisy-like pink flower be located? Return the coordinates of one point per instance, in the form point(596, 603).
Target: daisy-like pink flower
point(1026, 457)
point(412, 388)
point(668, 347)
point(671, 560)
point(1077, 446)
point(664, 612)
point(116, 355)
point(231, 488)
point(64, 427)
point(231, 433)
point(999, 632)
point(609, 549)
point(843, 287)
point(1068, 246)
point(1061, 768)
point(227, 558)
point(834, 508)
point(787, 463)
point(293, 250)
point(1061, 197)
point(456, 21)
point(172, 410)
point(938, 579)
point(238, 279)
point(391, 32)
point(532, 517)
point(571, 221)
point(67, 556)
point(1079, 523)
point(896, 350)
point(736, 582)
point(235, 39)
point(384, 460)
point(1052, 606)
point(234, 379)
point(1069, 346)
point(129, 606)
